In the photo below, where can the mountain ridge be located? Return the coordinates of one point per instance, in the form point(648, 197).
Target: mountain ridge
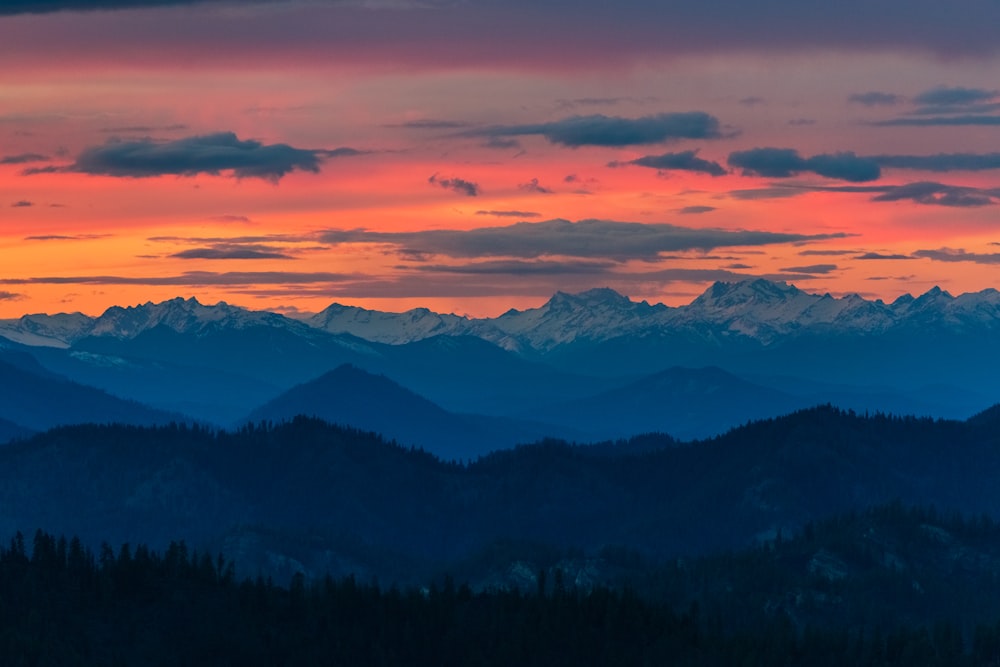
point(758, 308)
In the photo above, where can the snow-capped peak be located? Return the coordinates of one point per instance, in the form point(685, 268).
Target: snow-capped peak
point(181, 315)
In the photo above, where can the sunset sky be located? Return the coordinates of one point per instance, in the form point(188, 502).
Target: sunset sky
point(477, 155)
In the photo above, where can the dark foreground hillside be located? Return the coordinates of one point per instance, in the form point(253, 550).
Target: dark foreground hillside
point(830, 596)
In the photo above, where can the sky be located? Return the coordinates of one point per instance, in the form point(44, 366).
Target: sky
point(472, 156)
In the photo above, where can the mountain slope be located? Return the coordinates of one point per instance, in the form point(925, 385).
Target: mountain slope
point(353, 397)
point(687, 403)
point(41, 400)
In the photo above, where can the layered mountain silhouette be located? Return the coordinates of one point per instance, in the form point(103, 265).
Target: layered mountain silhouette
point(343, 498)
point(933, 354)
point(34, 399)
point(687, 403)
point(352, 397)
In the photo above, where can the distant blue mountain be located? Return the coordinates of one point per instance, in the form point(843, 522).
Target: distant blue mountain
point(933, 354)
point(350, 396)
point(686, 403)
point(34, 399)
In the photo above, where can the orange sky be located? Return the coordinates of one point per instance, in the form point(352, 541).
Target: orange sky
point(213, 165)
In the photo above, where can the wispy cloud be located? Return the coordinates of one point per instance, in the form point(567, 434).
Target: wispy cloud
point(24, 158)
point(680, 161)
point(821, 269)
point(875, 98)
point(880, 256)
point(510, 214)
point(66, 237)
point(941, 161)
point(695, 210)
point(143, 129)
point(23, 203)
point(191, 278)
point(920, 192)
point(233, 251)
point(958, 255)
point(927, 192)
point(519, 267)
point(931, 121)
point(957, 96)
point(11, 7)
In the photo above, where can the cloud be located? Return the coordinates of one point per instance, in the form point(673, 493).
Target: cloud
point(132, 129)
point(521, 268)
point(233, 251)
point(802, 121)
point(231, 218)
point(12, 7)
point(939, 121)
point(695, 210)
point(821, 269)
point(927, 192)
point(875, 98)
point(24, 203)
point(958, 255)
point(941, 161)
point(682, 161)
point(501, 143)
point(955, 97)
point(10, 296)
point(773, 192)
point(512, 33)
point(510, 214)
point(752, 101)
point(786, 162)
point(601, 130)
point(921, 192)
point(206, 154)
point(825, 253)
point(592, 239)
point(66, 237)
point(459, 185)
point(23, 158)
point(431, 124)
point(191, 278)
point(533, 186)
point(879, 256)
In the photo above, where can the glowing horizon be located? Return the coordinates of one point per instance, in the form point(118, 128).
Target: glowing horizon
point(288, 155)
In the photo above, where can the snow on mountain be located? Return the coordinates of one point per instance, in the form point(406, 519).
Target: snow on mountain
point(40, 330)
point(596, 314)
point(391, 328)
point(186, 316)
point(759, 310)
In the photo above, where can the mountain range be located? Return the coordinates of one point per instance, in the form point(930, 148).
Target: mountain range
point(587, 366)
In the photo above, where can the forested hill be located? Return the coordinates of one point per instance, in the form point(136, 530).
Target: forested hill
point(307, 496)
point(890, 586)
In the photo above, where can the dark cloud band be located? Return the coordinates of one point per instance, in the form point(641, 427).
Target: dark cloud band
point(206, 154)
point(588, 239)
point(601, 130)
point(786, 162)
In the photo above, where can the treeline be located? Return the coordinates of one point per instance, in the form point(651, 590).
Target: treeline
point(61, 604)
